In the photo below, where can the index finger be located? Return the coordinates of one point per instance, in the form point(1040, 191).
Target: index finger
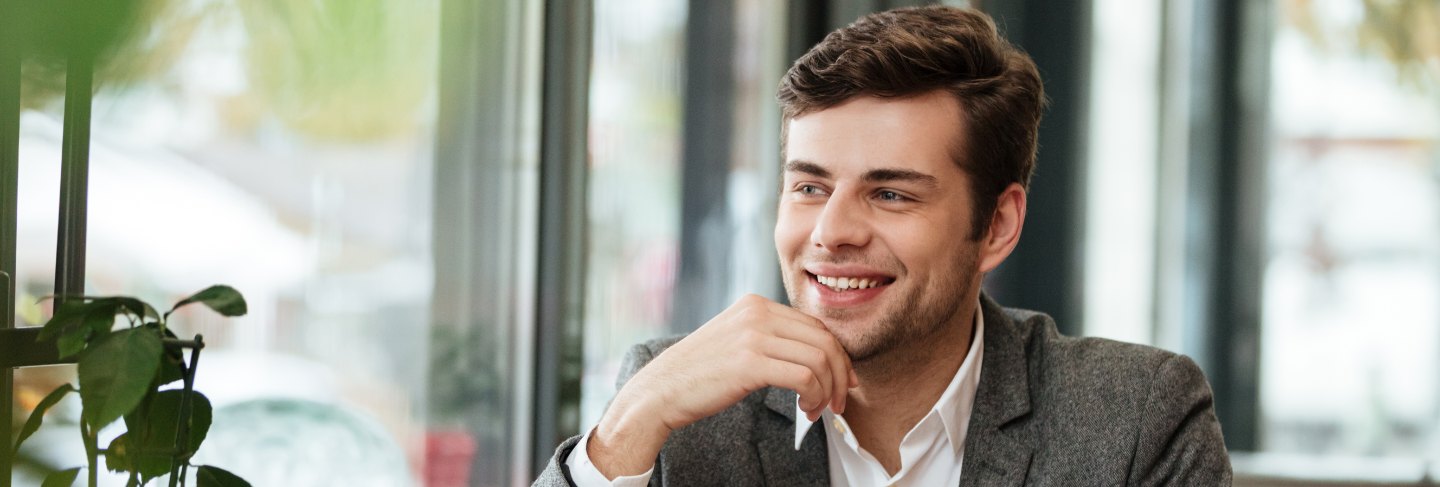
point(796, 314)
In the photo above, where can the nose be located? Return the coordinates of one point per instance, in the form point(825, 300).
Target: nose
point(841, 223)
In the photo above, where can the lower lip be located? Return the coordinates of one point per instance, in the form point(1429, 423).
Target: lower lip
point(847, 298)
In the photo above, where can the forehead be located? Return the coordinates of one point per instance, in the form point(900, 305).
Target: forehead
point(919, 133)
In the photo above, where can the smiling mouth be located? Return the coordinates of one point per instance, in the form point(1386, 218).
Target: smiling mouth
point(844, 283)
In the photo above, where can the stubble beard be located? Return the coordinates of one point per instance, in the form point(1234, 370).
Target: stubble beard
point(910, 321)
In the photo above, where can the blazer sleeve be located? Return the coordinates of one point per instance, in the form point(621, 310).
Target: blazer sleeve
point(1179, 438)
point(556, 473)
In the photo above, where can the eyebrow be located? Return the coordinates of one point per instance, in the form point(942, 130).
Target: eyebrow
point(807, 167)
point(906, 175)
point(873, 175)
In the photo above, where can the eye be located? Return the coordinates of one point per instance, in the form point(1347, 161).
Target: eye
point(806, 189)
point(887, 195)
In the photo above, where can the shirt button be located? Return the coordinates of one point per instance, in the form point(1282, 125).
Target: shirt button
point(839, 426)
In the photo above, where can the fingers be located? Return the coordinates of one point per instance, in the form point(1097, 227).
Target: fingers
point(802, 380)
point(789, 335)
point(819, 365)
point(841, 373)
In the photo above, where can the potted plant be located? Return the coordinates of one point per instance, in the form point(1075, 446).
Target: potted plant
point(127, 355)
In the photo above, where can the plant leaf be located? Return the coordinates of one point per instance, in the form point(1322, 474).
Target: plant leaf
point(116, 372)
point(117, 455)
point(221, 298)
point(61, 478)
point(131, 304)
point(67, 314)
point(136, 307)
point(95, 325)
point(101, 318)
point(172, 363)
point(38, 415)
point(78, 322)
point(72, 342)
point(170, 370)
point(201, 413)
point(155, 428)
point(209, 476)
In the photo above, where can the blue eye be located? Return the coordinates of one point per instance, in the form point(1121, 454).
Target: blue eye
point(809, 190)
point(890, 196)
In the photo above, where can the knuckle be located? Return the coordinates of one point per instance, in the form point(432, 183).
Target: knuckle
point(816, 358)
point(750, 316)
point(803, 375)
point(749, 338)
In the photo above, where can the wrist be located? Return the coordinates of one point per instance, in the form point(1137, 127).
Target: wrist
point(627, 441)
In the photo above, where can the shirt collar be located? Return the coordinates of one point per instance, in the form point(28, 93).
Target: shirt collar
point(953, 407)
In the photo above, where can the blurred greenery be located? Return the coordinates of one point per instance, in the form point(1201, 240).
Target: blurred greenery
point(343, 69)
point(347, 70)
point(1405, 33)
point(464, 384)
point(130, 41)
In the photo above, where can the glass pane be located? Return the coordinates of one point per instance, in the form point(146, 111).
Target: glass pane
point(634, 207)
point(1121, 170)
point(283, 148)
point(635, 221)
point(1351, 335)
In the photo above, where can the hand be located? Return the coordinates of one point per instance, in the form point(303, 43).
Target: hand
point(753, 344)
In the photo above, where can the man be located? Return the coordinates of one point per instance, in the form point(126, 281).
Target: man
point(908, 138)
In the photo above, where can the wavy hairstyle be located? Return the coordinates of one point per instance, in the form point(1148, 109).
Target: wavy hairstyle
point(916, 50)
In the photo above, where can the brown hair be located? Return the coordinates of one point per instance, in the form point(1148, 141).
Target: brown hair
point(912, 51)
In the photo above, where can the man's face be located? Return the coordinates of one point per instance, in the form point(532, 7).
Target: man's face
point(874, 221)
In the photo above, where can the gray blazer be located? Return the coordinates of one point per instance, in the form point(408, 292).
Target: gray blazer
point(1050, 410)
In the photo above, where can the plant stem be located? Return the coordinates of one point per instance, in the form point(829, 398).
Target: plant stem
point(92, 453)
point(182, 432)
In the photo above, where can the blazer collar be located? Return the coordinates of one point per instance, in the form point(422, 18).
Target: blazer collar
point(1004, 391)
point(994, 456)
point(780, 462)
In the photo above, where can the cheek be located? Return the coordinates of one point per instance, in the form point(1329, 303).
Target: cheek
point(924, 247)
point(792, 231)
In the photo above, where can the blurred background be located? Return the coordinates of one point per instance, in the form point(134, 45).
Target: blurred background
point(451, 218)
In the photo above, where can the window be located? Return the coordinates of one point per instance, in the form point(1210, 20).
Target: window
point(1351, 323)
point(286, 149)
point(1288, 221)
point(679, 104)
point(636, 90)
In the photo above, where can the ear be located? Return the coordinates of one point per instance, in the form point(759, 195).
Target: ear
point(1005, 224)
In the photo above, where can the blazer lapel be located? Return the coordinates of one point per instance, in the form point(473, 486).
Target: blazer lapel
point(994, 455)
point(775, 441)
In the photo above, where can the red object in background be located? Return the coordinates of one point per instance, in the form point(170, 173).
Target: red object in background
point(448, 454)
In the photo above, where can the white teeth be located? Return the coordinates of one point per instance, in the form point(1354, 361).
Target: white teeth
point(845, 283)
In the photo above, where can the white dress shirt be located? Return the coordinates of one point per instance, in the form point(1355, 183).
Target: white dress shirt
point(930, 454)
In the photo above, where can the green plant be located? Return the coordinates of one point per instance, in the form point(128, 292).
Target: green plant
point(121, 372)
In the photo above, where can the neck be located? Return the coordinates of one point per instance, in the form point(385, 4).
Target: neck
point(897, 389)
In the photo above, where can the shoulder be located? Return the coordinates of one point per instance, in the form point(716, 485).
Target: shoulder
point(1083, 362)
point(1150, 408)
